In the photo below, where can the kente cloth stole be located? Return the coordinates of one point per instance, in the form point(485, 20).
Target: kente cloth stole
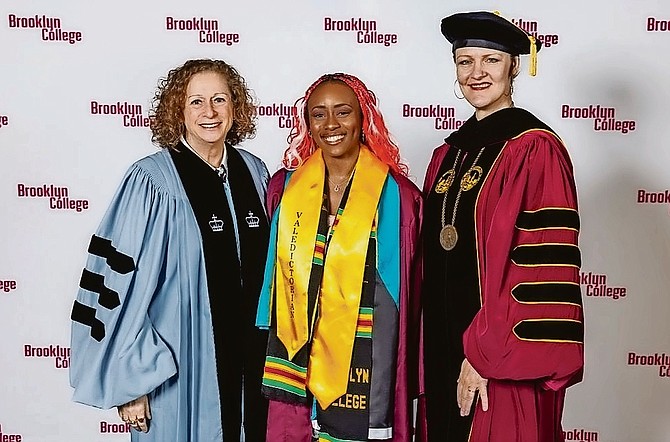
point(330, 330)
point(348, 418)
point(285, 380)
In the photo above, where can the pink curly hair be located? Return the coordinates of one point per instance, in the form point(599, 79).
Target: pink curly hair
point(376, 135)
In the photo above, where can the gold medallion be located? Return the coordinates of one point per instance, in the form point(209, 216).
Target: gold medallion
point(471, 178)
point(448, 237)
point(445, 181)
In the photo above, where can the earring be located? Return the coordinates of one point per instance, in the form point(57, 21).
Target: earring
point(363, 137)
point(511, 91)
point(456, 93)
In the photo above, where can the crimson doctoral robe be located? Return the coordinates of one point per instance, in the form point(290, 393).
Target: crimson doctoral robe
point(507, 297)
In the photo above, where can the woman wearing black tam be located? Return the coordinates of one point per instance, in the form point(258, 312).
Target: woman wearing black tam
point(503, 316)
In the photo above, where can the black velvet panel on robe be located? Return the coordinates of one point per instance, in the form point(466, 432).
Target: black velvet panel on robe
point(233, 286)
point(451, 293)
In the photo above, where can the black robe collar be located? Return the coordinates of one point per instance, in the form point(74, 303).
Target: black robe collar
point(495, 128)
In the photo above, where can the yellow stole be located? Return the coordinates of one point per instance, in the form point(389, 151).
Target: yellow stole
point(339, 300)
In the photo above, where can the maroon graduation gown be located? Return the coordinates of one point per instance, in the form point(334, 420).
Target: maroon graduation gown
point(526, 334)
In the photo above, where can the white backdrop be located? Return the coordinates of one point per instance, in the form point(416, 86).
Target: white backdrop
point(607, 59)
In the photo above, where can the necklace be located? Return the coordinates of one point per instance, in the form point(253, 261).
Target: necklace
point(448, 233)
point(447, 178)
point(214, 168)
point(338, 186)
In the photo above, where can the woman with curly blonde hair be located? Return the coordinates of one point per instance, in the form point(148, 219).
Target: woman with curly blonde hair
point(163, 324)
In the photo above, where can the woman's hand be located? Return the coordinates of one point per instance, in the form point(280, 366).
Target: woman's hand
point(136, 413)
point(469, 382)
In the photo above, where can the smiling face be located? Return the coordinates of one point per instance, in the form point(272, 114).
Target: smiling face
point(208, 111)
point(335, 120)
point(485, 77)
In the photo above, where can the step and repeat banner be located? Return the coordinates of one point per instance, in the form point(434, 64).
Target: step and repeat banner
point(76, 83)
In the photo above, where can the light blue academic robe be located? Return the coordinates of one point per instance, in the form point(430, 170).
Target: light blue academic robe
point(158, 340)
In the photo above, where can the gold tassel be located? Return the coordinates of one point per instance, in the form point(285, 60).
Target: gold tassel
point(532, 67)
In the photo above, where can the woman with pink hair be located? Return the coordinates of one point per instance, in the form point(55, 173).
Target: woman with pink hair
point(340, 290)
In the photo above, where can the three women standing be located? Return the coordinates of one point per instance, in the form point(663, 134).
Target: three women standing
point(503, 326)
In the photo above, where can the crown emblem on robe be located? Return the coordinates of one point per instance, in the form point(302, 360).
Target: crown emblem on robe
point(216, 224)
point(252, 220)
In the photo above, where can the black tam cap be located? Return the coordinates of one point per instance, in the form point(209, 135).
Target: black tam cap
point(488, 30)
